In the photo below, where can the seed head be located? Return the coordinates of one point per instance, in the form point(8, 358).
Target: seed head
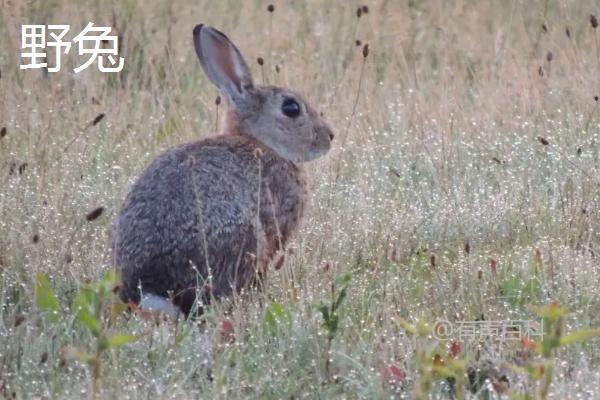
point(260, 61)
point(549, 56)
point(270, 8)
point(593, 21)
point(568, 32)
point(94, 214)
point(537, 257)
point(98, 118)
point(258, 153)
point(543, 140)
point(358, 42)
point(19, 319)
point(2, 132)
point(365, 50)
point(544, 28)
point(359, 12)
point(365, 9)
point(595, 98)
point(226, 332)
point(467, 247)
point(494, 266)
point(392, 254)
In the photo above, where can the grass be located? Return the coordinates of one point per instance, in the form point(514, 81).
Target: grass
point(467, 187)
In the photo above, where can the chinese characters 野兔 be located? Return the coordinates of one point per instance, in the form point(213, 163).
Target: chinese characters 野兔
point(500, 330)
point(93, 41)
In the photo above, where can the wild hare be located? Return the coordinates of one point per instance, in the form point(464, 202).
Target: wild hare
point(206, 217)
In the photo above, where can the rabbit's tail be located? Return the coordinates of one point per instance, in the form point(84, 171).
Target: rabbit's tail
point(152, 302)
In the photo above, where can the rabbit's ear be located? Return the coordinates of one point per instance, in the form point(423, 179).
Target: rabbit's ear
point(222, 62)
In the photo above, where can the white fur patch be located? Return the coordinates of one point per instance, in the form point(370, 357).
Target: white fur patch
point(152, 302)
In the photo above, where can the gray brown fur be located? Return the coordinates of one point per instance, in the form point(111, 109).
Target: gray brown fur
point(205, 217)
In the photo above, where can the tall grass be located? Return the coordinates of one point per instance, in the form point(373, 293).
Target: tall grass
point(443, 148)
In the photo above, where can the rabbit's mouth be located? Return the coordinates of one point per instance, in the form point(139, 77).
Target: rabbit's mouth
point(320, 146)
point(318, 153)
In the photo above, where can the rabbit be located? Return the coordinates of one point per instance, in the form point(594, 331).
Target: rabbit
point(205, 218)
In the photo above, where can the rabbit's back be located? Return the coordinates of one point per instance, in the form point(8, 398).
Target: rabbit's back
point(202, 214)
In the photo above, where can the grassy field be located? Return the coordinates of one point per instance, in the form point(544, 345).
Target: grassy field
point(464, 185)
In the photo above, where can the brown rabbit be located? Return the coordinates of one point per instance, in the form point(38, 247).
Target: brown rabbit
point(205, 217)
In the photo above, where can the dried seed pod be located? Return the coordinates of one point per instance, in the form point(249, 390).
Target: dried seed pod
point(226, 332)
point(22, 168)
point(94, 214)
point(537, 257)
point(392, 254)
point(365, 50)
point(270, 8)
point(258, 153)
point(494, 267)
point(593, 21)
point(2, 132)
point(260, 61)
point(19, 319)
point(98, 118)
point(359, 12)
point(218, 100)
point(549, 56)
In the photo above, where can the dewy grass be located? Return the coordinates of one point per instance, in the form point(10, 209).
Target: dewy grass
point(444, 148)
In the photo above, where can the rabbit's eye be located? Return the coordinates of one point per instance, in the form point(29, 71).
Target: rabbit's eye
point(290, 108)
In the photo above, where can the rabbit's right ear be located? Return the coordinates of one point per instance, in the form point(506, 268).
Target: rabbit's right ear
point(222, 62)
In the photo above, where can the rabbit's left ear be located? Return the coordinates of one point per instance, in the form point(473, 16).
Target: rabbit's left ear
point(222, 62)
